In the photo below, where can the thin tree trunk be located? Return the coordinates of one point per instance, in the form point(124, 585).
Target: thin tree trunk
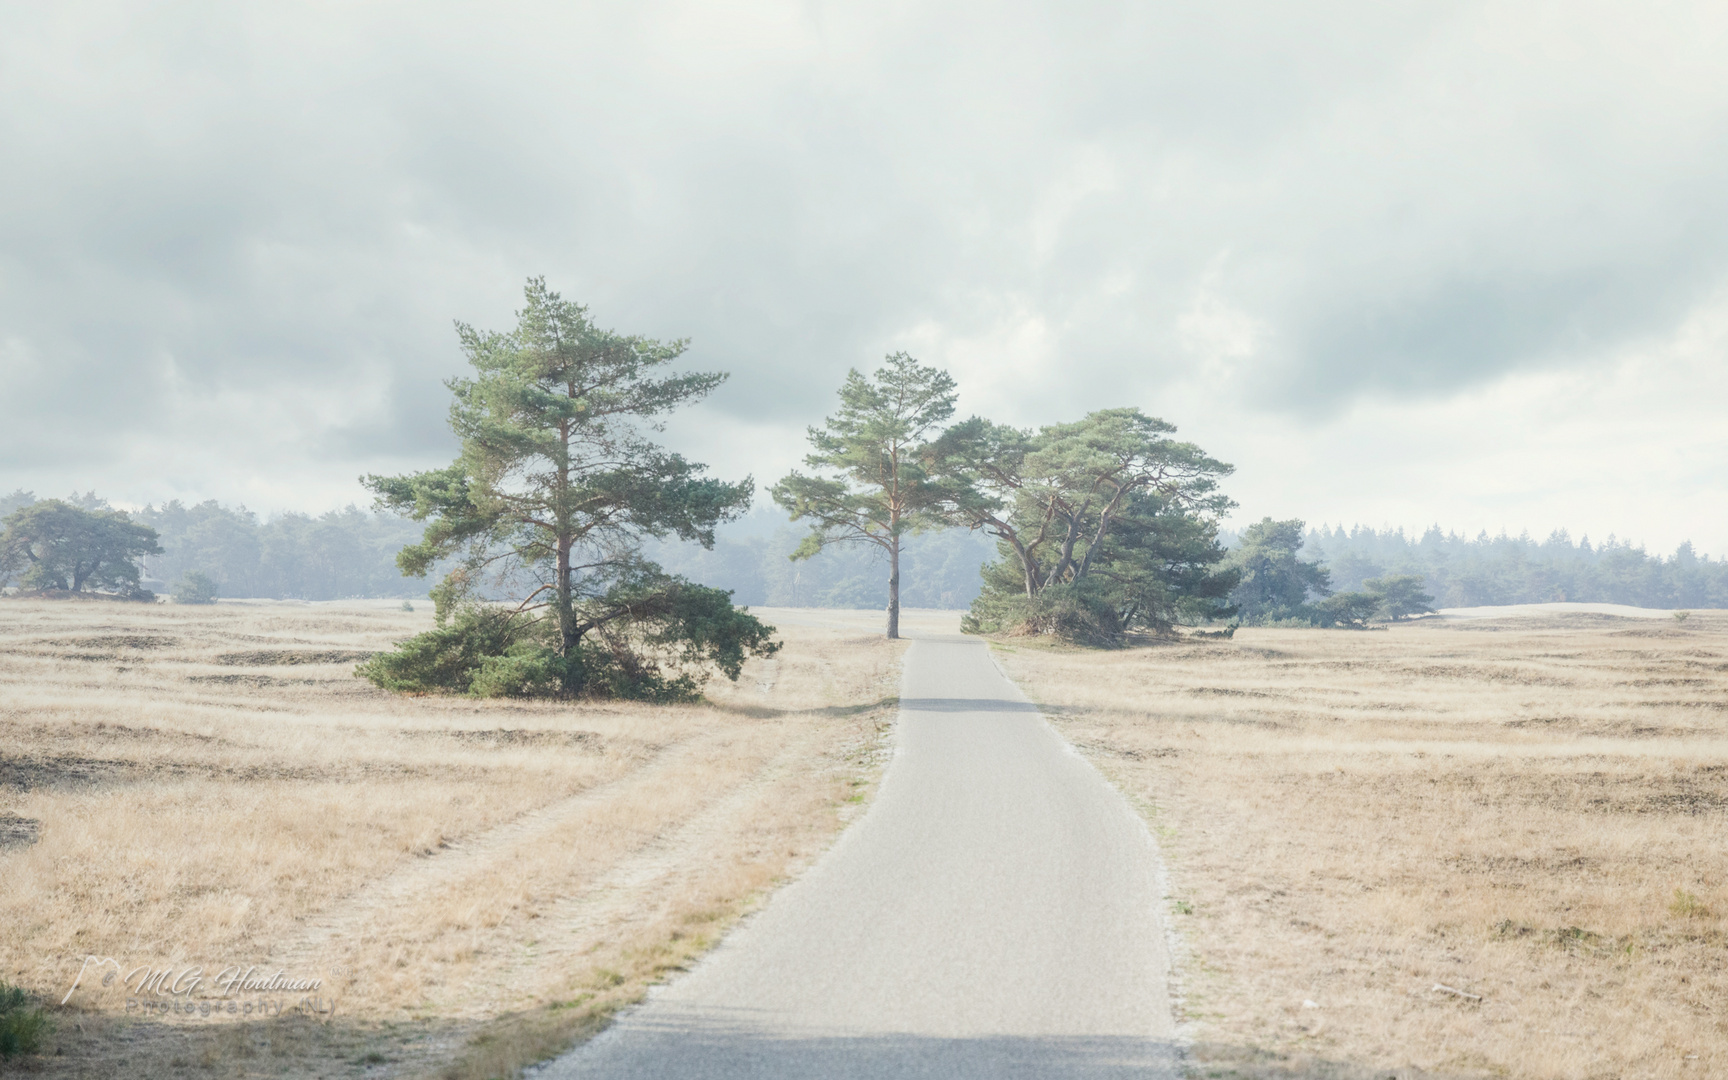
point(894, 587)
point(568, 632)
point(566, 607)
point(894, 545)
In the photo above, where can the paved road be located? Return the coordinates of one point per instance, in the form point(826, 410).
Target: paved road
point(994, 915)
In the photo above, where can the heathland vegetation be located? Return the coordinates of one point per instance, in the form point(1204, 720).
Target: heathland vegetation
point(1460, 848)
point(475, 883)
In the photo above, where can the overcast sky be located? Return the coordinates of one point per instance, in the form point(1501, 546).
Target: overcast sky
point(1399, 263)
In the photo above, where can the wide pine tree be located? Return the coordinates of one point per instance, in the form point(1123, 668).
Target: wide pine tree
point(557, 485)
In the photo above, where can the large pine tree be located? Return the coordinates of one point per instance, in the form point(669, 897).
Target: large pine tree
point(556, 487)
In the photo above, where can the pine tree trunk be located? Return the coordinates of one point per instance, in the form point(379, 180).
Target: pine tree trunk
point(562, 582)
point(566, 620)
point(894, 587)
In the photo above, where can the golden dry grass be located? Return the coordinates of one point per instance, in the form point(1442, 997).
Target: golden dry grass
point(475, 883)
point(1532, 812)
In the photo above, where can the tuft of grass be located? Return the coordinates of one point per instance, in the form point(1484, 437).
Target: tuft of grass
point(509, 1043)
point(23, 1024)
point(1688, 906)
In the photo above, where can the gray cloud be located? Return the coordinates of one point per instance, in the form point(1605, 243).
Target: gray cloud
point(218, 218)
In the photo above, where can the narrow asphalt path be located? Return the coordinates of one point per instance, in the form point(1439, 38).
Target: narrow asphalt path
point(994, 915)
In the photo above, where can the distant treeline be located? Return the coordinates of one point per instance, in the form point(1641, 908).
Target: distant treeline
point(1488, 570)
point(352, 553)
point(337, 555)
point(937, 569)
point(940, 569)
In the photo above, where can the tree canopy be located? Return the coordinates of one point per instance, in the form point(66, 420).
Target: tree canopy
point(1103, 524)
point(548, 504)
point(1400, 595)
point(1279, 587)
point(875, 451)
point(54, 545)
point(1275, 583)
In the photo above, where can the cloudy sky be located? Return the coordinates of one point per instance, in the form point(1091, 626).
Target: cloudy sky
point(1400, 263)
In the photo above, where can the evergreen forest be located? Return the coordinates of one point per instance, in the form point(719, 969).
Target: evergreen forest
point(351, 553)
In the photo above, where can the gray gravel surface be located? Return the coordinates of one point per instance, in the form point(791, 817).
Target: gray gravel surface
point(995, 914)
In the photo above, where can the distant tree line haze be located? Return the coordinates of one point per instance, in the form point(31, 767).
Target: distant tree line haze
point(1488, 570)
point(337, 555)
point(938, 568)
point(349, 554)
point(1292, 575)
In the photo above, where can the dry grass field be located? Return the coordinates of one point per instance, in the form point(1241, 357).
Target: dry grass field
point(1471, 848)
point(473, 883)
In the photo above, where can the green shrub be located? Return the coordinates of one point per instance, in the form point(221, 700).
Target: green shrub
point(22, 1024)
point(659, 644)
point(527, 669)
point(1349, 609)
point(1064, 612)
point(195, 588)
point(448, 657)
point(1400, 595)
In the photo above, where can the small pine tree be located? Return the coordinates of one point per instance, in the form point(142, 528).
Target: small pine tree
point(873, 450)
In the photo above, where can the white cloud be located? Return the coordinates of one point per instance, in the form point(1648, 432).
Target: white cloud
point(1401, 263)
point(1633, 445)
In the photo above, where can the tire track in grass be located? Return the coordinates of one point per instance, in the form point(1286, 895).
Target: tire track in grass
point(425, 875)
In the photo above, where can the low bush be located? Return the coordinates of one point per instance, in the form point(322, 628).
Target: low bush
point(1064, 612)
point(23, 1024)
point(1348, 609)
point(659, 644)
point(448, 657)
point(196, 588)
